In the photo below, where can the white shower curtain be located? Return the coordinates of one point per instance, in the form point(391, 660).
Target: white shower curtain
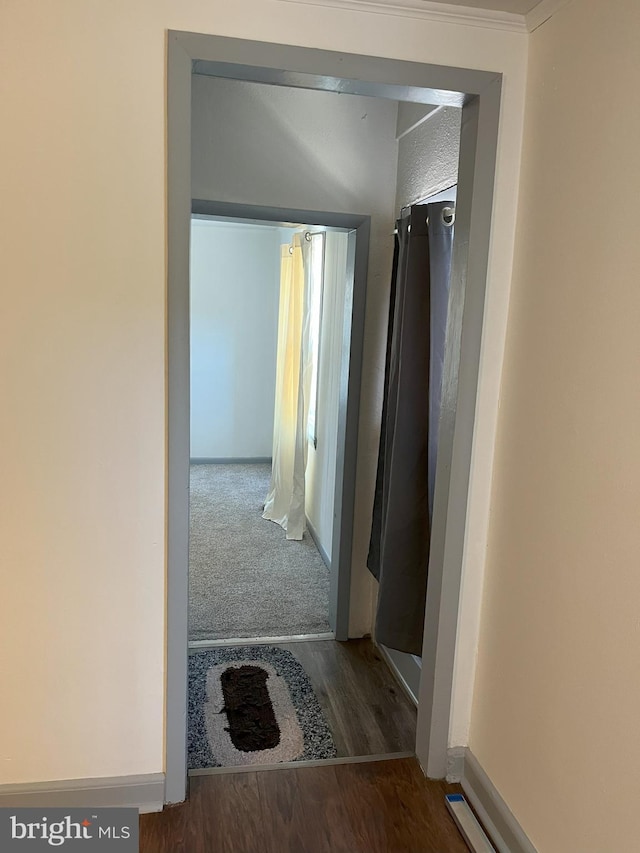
point(285, 501)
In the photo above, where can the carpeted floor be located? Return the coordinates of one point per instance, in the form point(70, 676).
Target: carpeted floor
point(245, 578)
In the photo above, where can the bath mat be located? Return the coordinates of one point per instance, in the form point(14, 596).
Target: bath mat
point(253, 705)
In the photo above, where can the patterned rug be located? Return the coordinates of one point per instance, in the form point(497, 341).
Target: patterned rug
point(253, 705)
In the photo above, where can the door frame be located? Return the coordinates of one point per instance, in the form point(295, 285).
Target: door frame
point(478, 93)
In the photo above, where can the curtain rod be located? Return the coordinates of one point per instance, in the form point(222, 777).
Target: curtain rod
point(308, 235)
point(448, 216)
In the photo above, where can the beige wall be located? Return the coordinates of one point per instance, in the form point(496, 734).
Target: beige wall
point(82, 351)
point(557, 702)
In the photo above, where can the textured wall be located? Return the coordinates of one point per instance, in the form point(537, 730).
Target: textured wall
point(557, 701)
point(428, 157)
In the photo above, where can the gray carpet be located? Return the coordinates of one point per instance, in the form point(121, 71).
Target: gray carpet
point(283, 722)
point(245, 578)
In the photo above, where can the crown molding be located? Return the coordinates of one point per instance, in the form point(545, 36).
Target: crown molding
point(542, 12)
point(447, 13)
point(443, 13)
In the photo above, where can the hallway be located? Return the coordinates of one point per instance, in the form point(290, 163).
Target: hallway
point(373, 807)
point(367, 710)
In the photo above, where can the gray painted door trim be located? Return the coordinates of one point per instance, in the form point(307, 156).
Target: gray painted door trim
point(476, 171)
point(349, 384)
point(478, 93)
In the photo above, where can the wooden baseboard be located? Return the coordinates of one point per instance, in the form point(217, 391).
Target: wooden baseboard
point(145, 792)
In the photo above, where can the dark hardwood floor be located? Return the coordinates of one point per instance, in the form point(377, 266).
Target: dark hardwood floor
point(376, 807)
point(367, 710)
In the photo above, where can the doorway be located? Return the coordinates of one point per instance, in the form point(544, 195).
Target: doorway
point(261, 516)
point(347, 357)
point(330, 700)
point(409, 81)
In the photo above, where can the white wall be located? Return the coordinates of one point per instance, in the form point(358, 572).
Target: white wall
point(83, 355)
point(235, 284)
point(321, 461)
point(294, 148)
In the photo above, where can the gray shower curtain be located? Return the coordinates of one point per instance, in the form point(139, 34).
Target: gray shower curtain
point(401, 522)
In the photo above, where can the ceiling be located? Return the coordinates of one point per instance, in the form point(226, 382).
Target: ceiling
point(518, 7)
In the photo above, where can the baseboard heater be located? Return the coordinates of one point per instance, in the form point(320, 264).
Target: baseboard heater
point(468, 824)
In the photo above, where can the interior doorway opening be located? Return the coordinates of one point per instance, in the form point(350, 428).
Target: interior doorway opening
point(319, 692)
point(266, 314)
point(332, 510)
point(232, 59)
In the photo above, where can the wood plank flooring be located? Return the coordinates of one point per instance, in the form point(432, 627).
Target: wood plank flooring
point(376, 807)
point(367, 710)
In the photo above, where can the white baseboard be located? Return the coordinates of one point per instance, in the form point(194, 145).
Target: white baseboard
point(326, 559)
point(504, 830)
point(145, 792)
point(230, 460)
point(406, 669)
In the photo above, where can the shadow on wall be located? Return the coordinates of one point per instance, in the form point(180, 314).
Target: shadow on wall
point(295, 146)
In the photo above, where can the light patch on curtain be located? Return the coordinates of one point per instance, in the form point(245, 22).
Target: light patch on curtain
point(316, 262)
point(295, 418)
